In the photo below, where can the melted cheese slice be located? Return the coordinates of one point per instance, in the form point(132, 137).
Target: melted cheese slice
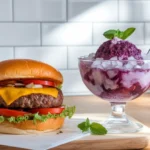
point(10, 94)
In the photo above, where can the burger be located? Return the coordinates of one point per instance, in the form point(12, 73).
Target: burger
point(31, 99)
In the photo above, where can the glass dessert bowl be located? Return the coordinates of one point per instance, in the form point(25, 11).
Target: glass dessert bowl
point(117, 81)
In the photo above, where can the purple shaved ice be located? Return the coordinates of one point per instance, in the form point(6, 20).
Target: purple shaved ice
point(118, 48)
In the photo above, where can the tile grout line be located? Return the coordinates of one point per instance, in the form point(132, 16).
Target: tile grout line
point(67, 11)
point(67, 59)
point(118, 11)
point(144, 33)
point(13, 52)
point(75, 22)
point(23, 21)
point(13, 11)
point(16, 46)
point(41, 34)
point(92, 35)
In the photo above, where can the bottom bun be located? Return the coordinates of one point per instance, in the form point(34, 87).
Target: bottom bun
point(28, 127)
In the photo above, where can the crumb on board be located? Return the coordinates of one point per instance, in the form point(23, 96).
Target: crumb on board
point(59, 132)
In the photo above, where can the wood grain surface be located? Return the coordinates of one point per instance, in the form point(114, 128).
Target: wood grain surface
point(105, 144)
point(138, 109)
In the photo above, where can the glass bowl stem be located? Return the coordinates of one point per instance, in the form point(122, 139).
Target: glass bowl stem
point(118, 122)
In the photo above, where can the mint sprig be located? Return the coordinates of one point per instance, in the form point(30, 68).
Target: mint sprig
point(110, 34)
point(95, 128)
point(84, 126)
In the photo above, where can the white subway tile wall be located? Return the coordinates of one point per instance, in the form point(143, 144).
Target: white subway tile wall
point(67, 34)
point(147, 33)
point(92, 10)
point(75, 52)
point(40, 10)
point(6, 53)
point(56, 56)
point(6, 10)
point(19, 34)
point(59, 31)
point(134, 10)
point(73, 84)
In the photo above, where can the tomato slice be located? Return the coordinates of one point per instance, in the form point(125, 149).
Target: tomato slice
point(6, 82)
point(45, 111)
point(11, 113)
point(42, 82)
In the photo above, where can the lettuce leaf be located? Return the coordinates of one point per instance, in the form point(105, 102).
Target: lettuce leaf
point(2, 119)
point(67, 112)
point(59, 86)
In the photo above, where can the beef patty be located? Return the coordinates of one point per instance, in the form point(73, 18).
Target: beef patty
point(35, 101)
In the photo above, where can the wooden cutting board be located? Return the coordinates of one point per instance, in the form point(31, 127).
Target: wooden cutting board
point(93, 105)
point(100, 143)
point(110, 141)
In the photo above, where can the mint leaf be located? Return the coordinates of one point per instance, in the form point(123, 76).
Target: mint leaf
point(94, 127)
point(84, 126)
point(87, 122)
point(128, 32)
point(110, 34)
point(119, 34)
point(97, 129)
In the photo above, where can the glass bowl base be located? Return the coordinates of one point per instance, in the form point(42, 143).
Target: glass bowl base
point(129, 127)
